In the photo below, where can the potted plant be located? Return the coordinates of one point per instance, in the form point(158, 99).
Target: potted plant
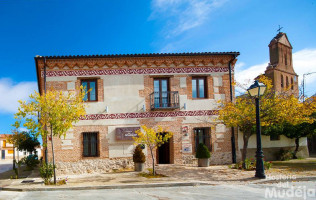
point(203, 155)
point(139, 159)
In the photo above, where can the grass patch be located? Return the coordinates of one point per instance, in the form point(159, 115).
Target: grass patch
point(296, 165)
point(150, 175)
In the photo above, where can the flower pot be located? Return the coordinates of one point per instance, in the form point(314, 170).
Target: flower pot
point(203, 162)
point(138, 167)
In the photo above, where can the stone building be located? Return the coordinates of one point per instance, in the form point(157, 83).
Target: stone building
point(284, 79)
point(178, 91)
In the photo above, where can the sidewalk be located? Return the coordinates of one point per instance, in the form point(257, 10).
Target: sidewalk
point(176, 176)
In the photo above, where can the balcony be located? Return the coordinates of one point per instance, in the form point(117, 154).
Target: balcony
point(164, 100)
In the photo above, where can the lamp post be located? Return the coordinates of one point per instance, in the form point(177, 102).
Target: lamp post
point(256, 90)
point(304, 83)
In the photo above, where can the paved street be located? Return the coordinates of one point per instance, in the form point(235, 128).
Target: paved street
point(5, 165)
point(252, 191)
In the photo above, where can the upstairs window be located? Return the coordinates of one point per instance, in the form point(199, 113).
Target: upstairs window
point(199, 87)
point(287, 82)
point(292, 84)
point(90, 144)
point(90, 87)
point(282, 81)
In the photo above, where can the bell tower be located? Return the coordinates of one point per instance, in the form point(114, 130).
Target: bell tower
point(280, 69)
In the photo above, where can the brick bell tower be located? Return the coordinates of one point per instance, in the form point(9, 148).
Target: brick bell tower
point(280, 69)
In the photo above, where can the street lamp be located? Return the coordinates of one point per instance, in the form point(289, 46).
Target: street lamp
point(304, 83)
point(256, 90)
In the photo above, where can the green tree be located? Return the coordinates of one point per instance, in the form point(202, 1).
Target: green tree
point(55, 110)
point(152, 139)
point(29, 143)
point(291, 131)
point(16, 138)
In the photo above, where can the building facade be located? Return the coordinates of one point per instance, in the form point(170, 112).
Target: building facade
point(180, 92)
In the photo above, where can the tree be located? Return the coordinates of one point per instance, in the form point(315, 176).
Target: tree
point(152, 139)
point(275, 109)
point(291, 131)
point(29, 143)
point(55, 110)
point(16, 139)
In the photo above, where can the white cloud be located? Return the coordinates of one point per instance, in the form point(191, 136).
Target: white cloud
point(12, 92)
point(304, 61)
point(183, 15)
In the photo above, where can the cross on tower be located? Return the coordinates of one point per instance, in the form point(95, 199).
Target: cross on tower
point(279, 28)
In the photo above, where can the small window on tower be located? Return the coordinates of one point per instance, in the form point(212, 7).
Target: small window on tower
point(287, 82)
point(292, 84)
point(282, 85)
point(285, 59)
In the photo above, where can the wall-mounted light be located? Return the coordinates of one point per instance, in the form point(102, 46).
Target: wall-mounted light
point(144, 108)
point(106, 109)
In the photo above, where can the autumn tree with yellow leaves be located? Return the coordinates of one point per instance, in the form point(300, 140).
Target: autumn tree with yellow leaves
point(152, 139)
point(275, 108)
point(53, 112)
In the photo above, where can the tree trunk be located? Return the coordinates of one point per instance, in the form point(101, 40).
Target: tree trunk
point(245, 147)
point(51, 135)
point(297, 145)
point(153, 159)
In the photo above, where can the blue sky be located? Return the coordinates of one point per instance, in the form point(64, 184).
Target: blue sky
point(81, 27)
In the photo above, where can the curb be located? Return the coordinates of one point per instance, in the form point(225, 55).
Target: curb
point(149, 185)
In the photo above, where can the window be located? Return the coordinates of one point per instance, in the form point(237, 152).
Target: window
point(199, 87)
point(292, 84)
point(287, 82)
point(202, 136)
point(274, 137)
point(282, 82)
point(4, 143)
point(161, 92)
point(90, 144)
point(91, 86)
point(285, 59)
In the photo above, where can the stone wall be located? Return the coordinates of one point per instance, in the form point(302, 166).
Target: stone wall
point(93, 166)
point(270, 153)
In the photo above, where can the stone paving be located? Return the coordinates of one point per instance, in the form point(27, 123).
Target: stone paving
point(213, 175)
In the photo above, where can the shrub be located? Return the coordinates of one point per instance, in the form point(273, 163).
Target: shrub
point(46, 172)
point(202, 152)
point(138, 155)
point(284, 155)
point(250, 164)
point(267, 165)
point(31, 161)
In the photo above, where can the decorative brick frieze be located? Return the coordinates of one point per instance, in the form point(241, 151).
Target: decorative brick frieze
point(149, 114)
point(98, 72)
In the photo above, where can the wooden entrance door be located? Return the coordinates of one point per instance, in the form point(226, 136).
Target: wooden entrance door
point(3, 154)
point(163, 153)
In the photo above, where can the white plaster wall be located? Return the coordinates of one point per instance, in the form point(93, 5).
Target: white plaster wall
point(121, 93)
point(119, 148)
point(198, 104)
point(266, 143)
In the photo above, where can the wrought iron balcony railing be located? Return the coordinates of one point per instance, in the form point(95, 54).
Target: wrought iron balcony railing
point(164, 100)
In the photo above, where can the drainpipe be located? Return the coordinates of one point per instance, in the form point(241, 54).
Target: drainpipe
point(44, 60)
point(231, 99)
